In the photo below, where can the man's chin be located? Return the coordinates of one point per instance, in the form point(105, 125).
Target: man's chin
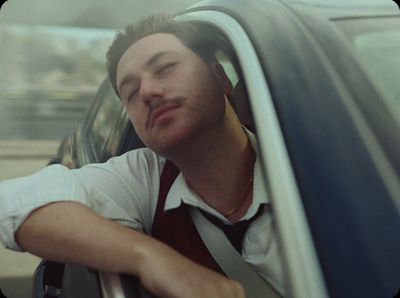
point(169, 144)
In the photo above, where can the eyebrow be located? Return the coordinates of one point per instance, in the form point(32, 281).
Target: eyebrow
point(153, 60)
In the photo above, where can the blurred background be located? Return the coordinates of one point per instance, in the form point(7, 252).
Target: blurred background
point(51, 65)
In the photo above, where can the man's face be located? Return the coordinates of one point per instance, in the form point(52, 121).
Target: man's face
point(170, 93)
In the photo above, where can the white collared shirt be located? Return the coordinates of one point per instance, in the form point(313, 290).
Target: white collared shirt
point(125, 189)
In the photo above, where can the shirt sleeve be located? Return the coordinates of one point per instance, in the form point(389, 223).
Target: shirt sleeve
point(124, 189)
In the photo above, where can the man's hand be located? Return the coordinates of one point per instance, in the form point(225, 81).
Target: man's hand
point(72, 233)
point(166, 273)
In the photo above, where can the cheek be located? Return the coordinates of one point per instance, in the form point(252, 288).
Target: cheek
point(139, 129)
point(134, 116)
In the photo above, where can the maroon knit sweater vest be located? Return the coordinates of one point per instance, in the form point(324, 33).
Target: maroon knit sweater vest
point(176, 228)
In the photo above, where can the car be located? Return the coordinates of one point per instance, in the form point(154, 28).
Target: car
point(318, 82)
point(105, 132)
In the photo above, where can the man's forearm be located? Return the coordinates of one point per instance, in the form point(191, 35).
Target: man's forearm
point(70, 232)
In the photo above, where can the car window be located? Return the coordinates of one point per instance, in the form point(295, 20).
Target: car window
point(377, 43)
point(117, 137)
point(106, 116)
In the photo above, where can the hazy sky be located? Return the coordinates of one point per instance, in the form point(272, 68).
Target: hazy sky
point(91, 13)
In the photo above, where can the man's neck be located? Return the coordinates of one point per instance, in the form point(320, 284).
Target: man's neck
point(218, 166)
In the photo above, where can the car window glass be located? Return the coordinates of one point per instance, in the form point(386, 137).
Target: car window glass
point(239, 98)
point(103, 123)
point(377, 43)
point(228, 67)
point(116, 137)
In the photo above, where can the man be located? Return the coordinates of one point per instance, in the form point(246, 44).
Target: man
point(176, 95)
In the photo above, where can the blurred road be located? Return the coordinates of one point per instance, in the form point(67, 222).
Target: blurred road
point(23, 157)
point(20, 158)
point(40, 117)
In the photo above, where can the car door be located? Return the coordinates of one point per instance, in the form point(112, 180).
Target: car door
point(334, 194)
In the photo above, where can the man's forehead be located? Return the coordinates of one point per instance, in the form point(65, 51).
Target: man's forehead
point(143, 49)
point(155, 42)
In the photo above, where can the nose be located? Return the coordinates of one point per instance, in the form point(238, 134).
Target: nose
point(151, 90)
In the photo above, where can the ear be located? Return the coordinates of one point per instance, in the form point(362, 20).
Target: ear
point(223, 78)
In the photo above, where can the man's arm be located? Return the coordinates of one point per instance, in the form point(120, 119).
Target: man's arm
point(71, 232)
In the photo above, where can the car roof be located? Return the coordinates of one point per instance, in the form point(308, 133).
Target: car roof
point(325, 8)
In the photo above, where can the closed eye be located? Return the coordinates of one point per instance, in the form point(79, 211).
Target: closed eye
point(132, 96)
point(166, 68)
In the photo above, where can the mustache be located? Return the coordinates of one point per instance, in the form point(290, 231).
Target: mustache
point(158, 103)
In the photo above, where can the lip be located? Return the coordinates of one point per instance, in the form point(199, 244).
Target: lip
point(160, 111)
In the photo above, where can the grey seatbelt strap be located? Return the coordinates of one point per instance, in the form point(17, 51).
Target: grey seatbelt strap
point(230, 261)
